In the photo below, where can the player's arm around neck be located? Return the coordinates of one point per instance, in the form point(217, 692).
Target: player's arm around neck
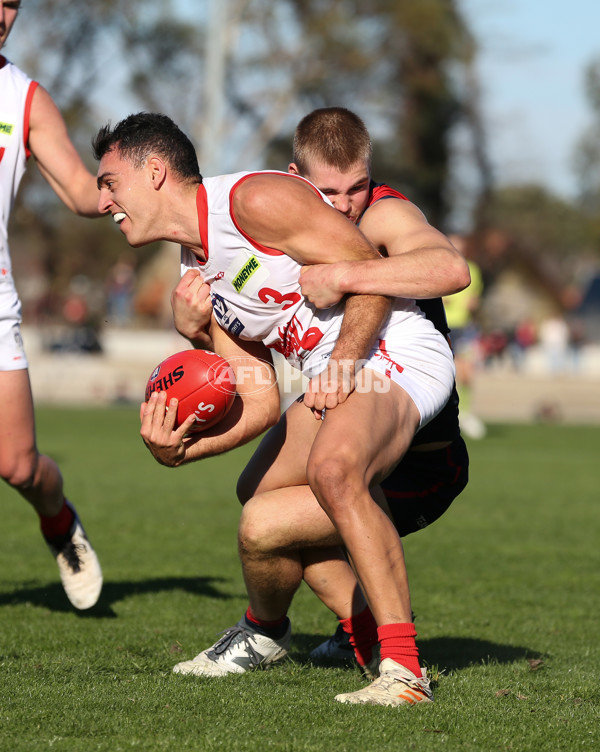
point(286, 213)
point(57, 158)
point(289, 215)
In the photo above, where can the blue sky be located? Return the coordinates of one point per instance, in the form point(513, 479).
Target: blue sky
point(533, 54)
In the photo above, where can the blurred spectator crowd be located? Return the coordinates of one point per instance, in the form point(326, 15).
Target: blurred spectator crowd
point(483, 335)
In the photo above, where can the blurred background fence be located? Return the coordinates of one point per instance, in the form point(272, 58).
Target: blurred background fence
point(501, 392)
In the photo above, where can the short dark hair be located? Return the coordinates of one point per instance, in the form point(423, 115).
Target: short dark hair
point(138, 136)
point(333, 136)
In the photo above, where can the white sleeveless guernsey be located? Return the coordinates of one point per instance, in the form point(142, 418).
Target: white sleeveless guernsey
point(256, 296)
point(16, 94)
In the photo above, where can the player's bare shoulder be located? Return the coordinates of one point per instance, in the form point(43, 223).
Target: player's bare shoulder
point(261, 189)
point(392, 209)
point(387, 219)
point(44, 114)
point(269, 206)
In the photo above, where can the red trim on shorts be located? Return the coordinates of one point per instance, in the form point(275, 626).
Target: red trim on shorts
point(412, 494)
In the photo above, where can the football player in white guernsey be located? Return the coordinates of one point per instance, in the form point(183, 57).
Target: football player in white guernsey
point(30, 124)
point(248, 236)
point(282, 533)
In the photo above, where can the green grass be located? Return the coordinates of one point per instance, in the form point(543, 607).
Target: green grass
point(506, 588)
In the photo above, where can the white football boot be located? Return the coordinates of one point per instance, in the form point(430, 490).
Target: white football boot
point(240, 649)
point(395, 686)
point(78, 565)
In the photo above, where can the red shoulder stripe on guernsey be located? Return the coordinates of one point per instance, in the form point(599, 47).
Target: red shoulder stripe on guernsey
point(202, 208)
point(380, 190)
point(259, 246)
point(26, 115)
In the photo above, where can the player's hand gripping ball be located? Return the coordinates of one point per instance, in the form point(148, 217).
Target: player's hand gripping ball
point(202, 382)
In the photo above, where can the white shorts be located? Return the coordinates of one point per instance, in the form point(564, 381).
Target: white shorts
point(412, 353)
point(423, 367)
point(12, 353)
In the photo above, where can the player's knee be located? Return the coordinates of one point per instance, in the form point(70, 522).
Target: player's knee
point(256, 531)
point(19, 471)
point(250, 530)
point(331, 477)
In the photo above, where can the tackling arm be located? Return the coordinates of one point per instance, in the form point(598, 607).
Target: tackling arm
point(420, 261)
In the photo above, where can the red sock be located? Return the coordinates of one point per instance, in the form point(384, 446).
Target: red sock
point(362, 630)
point(60, 524)
point(398, 643)
point(275, 629)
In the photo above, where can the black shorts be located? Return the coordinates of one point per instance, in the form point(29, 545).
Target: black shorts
point(422, 487)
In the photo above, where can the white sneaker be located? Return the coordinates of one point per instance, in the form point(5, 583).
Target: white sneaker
point(395, 686)
point(79, 568)
point(240, 649)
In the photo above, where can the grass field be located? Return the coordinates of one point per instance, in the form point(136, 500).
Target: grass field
point(506, 588)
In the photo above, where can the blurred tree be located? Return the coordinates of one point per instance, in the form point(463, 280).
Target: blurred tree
point(407, 68)
point(430, 52)
point(540, 220)
point(538, 238)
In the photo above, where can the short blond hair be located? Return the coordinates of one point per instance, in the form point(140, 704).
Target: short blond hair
point(333, 136)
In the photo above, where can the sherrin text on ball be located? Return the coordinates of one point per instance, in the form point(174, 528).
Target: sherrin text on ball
point(202, 382)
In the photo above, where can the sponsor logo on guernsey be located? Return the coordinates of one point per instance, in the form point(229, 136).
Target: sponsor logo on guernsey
point(225, 316)
point(245, 273)
point(6, 129)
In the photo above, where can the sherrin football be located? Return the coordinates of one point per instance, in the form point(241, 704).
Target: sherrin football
point(202, 382)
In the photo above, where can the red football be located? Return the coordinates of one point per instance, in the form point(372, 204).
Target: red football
point(203, 382)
